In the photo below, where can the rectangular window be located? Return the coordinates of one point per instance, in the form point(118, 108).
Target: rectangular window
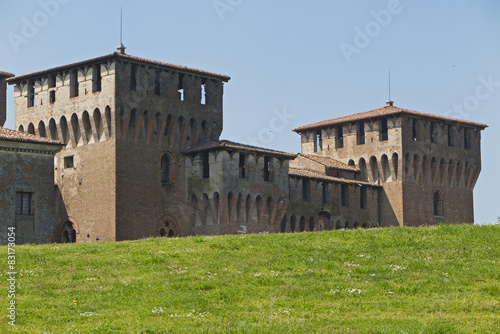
point(242, 165)
point(52, 96)
point(339, 143)
point(451, 136)
point(206, 166)
point(157, 82)
point(324, 193)
point(361, 133)
point(467, 138)
point(133, 77)
point(31, 94)
point(23, 203)
point(73, 83)
point(433, 133)
point(96, 78)
point(203, 92)
point(267, 169)
point(383, 130)
point(318, 142)
point(68, 162)
point(414, 130)
point(180, 87)
point(306, 190)
point(362, 198)
point(344, 195)
point(52, 81)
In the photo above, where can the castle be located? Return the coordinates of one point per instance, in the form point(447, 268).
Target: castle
point(119, 147)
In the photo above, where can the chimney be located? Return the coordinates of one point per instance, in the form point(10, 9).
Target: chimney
point(389, 103)
point(121, 49)
point(3, 96)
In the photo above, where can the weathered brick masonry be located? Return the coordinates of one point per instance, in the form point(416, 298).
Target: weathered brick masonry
point(132, 149)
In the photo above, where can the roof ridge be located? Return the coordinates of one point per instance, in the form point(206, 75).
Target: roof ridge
point(14, 135)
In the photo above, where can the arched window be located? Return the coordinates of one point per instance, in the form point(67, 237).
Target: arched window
point(283, 224)
point(68, 233)
point(302, 224)
point(167, 231)
point(438, 204)
point(165, 169)
point(311, 224)
point(292, 224)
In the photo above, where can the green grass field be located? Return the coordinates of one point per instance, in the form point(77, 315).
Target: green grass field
point(443, 279)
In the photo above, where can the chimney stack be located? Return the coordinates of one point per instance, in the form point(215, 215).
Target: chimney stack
point(3, 96)
point(389, 103)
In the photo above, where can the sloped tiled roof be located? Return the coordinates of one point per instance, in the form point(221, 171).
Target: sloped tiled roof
point(229, 145)
point(380, 112)
point(117, 55)
point(319, 176)
point(329, 162)
point(13, 135)
point(6, 74)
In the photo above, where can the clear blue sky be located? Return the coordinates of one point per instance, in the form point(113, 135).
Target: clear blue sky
point(305, 58)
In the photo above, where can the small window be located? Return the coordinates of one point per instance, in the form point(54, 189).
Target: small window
point(203, 92)
point(23, 203)
point(318, 142)
point(433, 133)
point(73, 82)
point(383, 130)
point(133, 77)
point(362, 198)
point(267, 169)
point(52, 81)
point(467, 138)
point(361, 133)
point(96, 78)
point(451, 135)
point(31, 94)
point(306, 190)
point(68, 162)
point(157, 82)
point(438, 204)
point(415, 133)
point(324, 193)
point(165, 169)
point(243, 165)
point(339, 143)
point(344, 195)
point(206, 165)
point(180, 87)
point(52, 96)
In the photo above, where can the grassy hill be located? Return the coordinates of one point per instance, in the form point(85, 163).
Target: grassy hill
point(443, 279)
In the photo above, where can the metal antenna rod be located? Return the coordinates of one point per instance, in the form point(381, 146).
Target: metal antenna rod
point(121, 25)
point(389, 84)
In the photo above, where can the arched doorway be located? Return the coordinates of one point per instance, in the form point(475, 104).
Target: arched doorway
point(68, 231)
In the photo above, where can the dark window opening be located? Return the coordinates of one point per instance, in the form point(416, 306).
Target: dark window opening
point(467, 144)
point(157, 82)
point(433, 133)
point(242, 165)
point(165, 169)
point(133, 77)
point(180, 87)
point(23, 203)
point(52, 81)
point(31, 94)
point(267, 169)
point(73, 82)
point(96, 78)
point(362, 198)
point(318, 141)
point(344, 195)
point(69, 233)
point(69, 162)
point(383, 130)
point(203, 92)
point(451, 136)
point(306, 190)
point(324, 193)
point(206, 166)
point(52, 96)
point(415, 130)
point(361, 133)
point(438, 204)
point(339, 142)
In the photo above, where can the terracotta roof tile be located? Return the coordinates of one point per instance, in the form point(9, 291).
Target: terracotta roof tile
point(118, 56)
point(380, 112)
point(13, 135)
point(319, 176)
point(329, 162)
point(228, 145)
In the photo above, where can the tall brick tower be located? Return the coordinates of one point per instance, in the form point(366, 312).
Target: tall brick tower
point(3, 96)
